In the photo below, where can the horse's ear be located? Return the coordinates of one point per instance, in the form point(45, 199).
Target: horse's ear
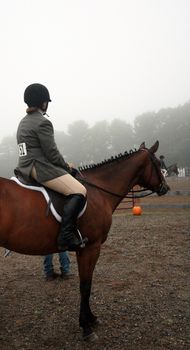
point(142, 146)
point(154, 148)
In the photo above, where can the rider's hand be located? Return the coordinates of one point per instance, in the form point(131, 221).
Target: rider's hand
point(73, 170)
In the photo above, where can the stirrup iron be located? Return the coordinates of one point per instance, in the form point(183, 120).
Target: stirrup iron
point(83, 240)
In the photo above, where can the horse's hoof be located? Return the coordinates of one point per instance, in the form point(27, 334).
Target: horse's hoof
point(96, 323)
point(91, 338)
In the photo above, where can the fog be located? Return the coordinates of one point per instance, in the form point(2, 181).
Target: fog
point(100, 59)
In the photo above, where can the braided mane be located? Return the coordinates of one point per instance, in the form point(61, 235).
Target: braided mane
point(109, 160)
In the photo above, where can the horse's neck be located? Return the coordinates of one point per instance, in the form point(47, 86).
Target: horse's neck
point(118, 177)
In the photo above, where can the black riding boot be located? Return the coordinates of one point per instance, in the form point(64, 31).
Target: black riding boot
point(67, 239)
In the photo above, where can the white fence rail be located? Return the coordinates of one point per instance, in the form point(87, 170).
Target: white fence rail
point(184, 172)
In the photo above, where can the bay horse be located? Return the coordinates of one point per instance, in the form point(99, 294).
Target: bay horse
point(26, 229)
point(172, 170)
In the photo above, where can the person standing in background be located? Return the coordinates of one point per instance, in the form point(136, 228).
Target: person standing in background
point(48, 267)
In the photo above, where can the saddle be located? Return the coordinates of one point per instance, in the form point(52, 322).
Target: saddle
point(55, 201)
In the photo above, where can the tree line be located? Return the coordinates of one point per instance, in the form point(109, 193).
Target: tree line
point(83, 144)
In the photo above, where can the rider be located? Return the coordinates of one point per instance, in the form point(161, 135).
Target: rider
point(40, 159)
point(162, 163)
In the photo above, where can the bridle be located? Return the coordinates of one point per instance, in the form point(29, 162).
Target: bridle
point(134, 193)
point(161, 189)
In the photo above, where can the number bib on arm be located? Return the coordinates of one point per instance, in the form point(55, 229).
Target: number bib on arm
point(22, 151)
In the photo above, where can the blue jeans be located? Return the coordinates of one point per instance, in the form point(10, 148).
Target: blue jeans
point(48, 263)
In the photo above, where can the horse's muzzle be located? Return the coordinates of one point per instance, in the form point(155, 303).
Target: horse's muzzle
point(163, 189)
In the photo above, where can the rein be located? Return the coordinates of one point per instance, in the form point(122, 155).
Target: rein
point(85, 181)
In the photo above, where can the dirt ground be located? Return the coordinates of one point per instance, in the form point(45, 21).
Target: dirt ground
point(140, 290)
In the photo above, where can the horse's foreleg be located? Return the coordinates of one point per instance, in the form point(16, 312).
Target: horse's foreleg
point(86, 262)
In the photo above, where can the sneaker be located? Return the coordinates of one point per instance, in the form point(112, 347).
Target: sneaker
point(51, 277)
point(66, 275)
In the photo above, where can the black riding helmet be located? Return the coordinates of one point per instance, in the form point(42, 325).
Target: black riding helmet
point(36, 94)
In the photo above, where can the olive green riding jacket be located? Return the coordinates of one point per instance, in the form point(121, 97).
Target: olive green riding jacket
point(37, 147)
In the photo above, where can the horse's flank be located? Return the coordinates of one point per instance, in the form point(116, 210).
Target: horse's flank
point(25, 228)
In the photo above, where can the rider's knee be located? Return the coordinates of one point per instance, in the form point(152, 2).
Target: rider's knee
point(83, 191)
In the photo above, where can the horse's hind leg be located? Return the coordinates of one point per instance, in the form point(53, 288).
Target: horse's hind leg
point(86, 262)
